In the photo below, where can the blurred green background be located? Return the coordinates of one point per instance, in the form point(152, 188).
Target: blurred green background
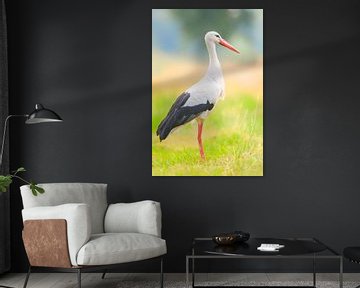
point(233, 132)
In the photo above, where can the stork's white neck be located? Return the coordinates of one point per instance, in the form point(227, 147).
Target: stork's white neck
point(214, 69)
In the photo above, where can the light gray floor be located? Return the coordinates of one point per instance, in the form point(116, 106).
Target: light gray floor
point(119, 280)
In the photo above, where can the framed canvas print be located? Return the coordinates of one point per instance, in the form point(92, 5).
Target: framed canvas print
point(207, 92)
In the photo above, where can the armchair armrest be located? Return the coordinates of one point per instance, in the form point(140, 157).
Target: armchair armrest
point(78, 223)
point(138, 217)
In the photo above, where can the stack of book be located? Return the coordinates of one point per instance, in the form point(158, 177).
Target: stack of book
point(270, 247)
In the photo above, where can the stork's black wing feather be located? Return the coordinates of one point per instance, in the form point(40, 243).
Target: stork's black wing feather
point(179, 102)
point(180, 114)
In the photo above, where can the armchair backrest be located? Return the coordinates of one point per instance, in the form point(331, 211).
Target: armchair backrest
point(55, 194)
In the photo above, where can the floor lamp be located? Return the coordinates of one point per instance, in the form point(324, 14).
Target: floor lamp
point(39, 115)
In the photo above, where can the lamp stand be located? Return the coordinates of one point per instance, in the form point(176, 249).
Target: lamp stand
point(2, 153)
point(4, 135)
point(39, 115)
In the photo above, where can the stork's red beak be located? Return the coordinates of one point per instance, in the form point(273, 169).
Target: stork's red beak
point(228, 45)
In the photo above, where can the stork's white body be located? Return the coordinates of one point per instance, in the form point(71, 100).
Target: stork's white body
point(211, 87)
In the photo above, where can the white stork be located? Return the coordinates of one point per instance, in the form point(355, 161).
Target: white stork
point(197, 101)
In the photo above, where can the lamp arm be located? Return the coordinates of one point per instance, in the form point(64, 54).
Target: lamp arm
point(4, 134)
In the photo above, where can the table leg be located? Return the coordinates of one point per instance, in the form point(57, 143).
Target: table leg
point(314, 271)
point(187, 272)
point(193, 272)
point(341, 273)
point(193, 267)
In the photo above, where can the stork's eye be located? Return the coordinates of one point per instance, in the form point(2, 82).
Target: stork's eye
point(218, 36)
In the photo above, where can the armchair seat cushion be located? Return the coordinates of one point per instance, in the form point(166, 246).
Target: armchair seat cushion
point(113, 248)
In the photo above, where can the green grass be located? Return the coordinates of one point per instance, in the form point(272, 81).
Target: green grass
point(232, 138)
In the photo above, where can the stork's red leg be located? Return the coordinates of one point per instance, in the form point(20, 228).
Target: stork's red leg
point(201, 148)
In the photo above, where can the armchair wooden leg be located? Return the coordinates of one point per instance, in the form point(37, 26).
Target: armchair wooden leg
point(27, 277)
point(79, 277)
point(161, 272)
point(103, 275)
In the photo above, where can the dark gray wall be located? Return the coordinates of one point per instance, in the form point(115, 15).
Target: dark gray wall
point(69, 55)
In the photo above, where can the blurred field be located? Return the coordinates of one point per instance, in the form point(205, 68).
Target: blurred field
point(233, 132)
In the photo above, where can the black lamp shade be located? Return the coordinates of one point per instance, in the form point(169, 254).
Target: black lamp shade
point(42, 115)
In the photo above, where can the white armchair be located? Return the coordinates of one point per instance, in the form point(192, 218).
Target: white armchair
point(79, 231)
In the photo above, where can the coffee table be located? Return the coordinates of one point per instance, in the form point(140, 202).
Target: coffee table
point(295, 248)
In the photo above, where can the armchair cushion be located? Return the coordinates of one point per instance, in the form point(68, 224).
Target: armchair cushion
point(78, 221)
point(92, 194)
point(113, 248)
point(138, 217)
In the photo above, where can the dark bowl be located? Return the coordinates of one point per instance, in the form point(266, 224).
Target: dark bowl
point(225, 239)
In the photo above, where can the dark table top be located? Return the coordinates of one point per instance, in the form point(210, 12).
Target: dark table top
point(293, 247)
